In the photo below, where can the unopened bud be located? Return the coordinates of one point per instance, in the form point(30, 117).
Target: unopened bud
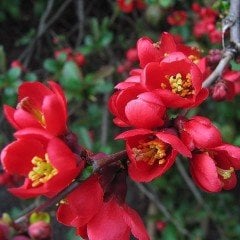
point(213, 58)
point(219, 91)
point(39, 230)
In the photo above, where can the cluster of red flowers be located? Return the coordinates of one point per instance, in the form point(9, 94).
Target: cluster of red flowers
point(205, 24)
point(129, 6)
point(177, 18)
point(170, 77)
point(76, 57)
point(46, 156)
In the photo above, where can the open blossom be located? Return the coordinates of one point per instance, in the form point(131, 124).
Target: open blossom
point(176, 80)
point(135, 107)
point(47, 164)
point(99, 217)
point(177, 18)
point(214, 169)
point(39, 106)
point(151, 154)
point(148, 51)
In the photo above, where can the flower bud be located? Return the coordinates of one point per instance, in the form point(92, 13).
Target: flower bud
point(39, 230)
point(4, 231)
point(219, 91)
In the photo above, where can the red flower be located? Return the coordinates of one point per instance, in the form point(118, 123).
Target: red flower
point(47, 164)
point(40, 107)
point(176, 80)
point(97, 219)
point(199, 132)
point(151, 154)
point(148, 51)
point(134, 107)
point(215, 170)
point(177, 18)
point(128, 6)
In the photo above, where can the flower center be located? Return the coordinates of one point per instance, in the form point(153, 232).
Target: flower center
point(226, 174)
point(42, 171)
point(151, 152)
point(26, 105)
point(181, 86)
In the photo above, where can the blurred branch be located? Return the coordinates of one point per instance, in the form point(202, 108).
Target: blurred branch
point(42, 28)
point(232, 21)
point(197, 195)
point(152, 196)
point(80, 15)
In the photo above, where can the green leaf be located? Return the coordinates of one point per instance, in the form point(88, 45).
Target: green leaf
point(169, 233)
point(13, 74)
point(30, 77)
point(50, 65)
point(71, 72)
point(85, 138)
point(235, 66)
point(166, 3)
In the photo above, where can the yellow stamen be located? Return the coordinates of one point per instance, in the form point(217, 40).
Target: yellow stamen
point(226, 174)
point(26, 105)
point(193, 58)
point(156, 45)
point(181, 86)
point(151, 152)
point(42, 171)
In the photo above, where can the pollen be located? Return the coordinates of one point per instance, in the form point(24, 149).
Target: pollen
point(181, 85)
point(156, 45)
point(42, 171)
point(193, 58)
point(151, 152)
point(226, 174)
point(29, 107)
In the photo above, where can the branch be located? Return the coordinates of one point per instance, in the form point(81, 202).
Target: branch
point(232, 21)
point(80, 15)
point(224, 62)
point(43, 26)
point(154, 198)
point(97, 165)
point(235, 29)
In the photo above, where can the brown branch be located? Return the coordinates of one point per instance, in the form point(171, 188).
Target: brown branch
point(97, 165)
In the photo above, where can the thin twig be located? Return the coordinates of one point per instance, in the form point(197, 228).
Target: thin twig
point(189, 182)
point(154, 198)
point(41, 30)
point(80, 15)
point(100, 164)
